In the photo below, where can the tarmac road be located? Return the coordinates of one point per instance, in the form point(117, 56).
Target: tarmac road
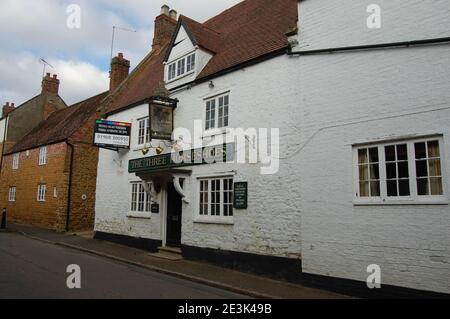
point(31, 269)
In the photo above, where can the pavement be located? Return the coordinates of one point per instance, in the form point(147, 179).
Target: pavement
point(204, 274)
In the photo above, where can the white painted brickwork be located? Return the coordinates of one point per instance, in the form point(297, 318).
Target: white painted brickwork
point(388, 94)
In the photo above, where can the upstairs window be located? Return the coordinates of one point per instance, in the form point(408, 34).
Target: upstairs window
point(15, 163)
point(172, 70)
point(407, 171)
point(181, 67)
point(144, 131)
point(42, 190)
point(12, 194)
point(217, 112)
point(190, 63)
point(43, 155)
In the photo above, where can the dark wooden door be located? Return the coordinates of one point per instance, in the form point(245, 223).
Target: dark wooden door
point(174, 213)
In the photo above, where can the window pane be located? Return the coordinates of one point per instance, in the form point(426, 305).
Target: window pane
point(421, 151)
point(421, 168)
point(392, 188)
point(390, 153)
point(363, 172)
point(373, 155)
point(374, 172)
point(402, 152)
point(433, 149)
point(364, 189)
point(375, 189)
point(362, 156)
point(435, 167)
point(422, 187)
point(391, 170)
point(403, 170)
point(404, 187)
point(436, 186)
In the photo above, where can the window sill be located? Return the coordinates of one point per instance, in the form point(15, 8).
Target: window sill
point(414, 202)
point(139, 215)
point(180, 77)
point(215, 221)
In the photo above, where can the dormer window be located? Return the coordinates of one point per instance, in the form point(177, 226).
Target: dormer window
point(181, 67)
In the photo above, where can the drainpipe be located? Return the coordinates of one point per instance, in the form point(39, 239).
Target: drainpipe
point(3, 144)
point(69, 195)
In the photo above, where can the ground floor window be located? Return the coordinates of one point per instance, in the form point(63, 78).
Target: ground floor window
point(406, 170)
point(42, 189)
point(216, 197)
point(12, 194)
point(140, 199)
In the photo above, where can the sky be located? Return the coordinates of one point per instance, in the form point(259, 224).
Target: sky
point(35, 29)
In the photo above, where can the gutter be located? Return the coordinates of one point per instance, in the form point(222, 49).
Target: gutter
point(372, 46)
point(69, 195)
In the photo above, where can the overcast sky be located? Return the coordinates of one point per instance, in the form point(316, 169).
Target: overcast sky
point(31, 29)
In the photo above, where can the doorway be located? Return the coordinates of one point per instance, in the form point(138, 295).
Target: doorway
point(174, 216)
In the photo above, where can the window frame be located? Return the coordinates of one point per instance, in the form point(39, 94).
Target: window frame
point(413, 198)
point(146, 137)
point(43, 154)
point(180, 67)
point(12, 196)
point(147, 200)
point(217, 108)
point(41, 193)
point(16, 161)
point(222, 201)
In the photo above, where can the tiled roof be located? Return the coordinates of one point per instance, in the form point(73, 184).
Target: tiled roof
point(60, 125)
point(249, 30)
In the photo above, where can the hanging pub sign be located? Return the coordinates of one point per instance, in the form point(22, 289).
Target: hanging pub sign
point(240, 195)
point(161, 117)
point(112, 135)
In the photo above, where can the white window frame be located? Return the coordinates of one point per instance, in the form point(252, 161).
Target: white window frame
point(207, 217)
point(41, 193)
point(414, 198)
point(16, 160)
point(219, 107)
point(181, 67)
point(12, 194)
point(136, 190)
point(146, 131)
point(43, 151)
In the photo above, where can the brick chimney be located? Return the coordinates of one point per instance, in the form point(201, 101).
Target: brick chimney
point(120, 68)
point(50, 84)
point(165, 25)
point(7, 108)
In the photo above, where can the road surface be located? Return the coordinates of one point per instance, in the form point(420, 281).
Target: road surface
point(32, 269)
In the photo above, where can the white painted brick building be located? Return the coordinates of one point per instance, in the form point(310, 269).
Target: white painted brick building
point(327, 107)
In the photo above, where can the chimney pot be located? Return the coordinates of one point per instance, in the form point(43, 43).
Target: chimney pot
point(7, 108)
point(12, 104)
point(50, 84)
point(165, 10)
point(173, 14)
point(48, 74)
point(55, 76)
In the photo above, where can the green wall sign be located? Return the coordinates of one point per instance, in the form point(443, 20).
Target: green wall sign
point(240, 195)
point(207, 155)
